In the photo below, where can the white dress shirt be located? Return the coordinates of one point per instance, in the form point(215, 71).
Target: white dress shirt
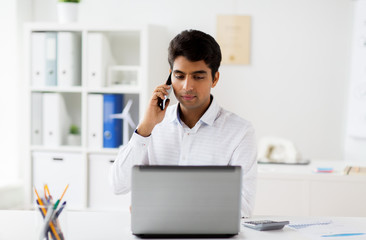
point(218, 138)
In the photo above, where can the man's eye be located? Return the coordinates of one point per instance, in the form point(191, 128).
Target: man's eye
point(179, 76)
point(199, 77)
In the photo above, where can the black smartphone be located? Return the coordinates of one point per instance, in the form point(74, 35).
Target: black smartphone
point(162, 102)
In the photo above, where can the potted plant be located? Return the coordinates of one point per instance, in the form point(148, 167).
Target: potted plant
point(73, 137)
point(67, 10)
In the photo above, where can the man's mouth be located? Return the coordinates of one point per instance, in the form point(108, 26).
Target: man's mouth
point(188, 97)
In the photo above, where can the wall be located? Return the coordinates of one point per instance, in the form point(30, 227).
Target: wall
point(12, 16)
point(9, 94)
point(296, 84)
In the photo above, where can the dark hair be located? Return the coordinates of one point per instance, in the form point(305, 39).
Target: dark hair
point(195, 46)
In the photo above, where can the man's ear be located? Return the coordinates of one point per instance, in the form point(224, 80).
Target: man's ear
point(216, 79)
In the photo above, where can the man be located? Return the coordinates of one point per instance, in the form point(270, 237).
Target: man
point(196, 131)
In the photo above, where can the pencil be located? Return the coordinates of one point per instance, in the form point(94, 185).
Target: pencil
point(44, 212)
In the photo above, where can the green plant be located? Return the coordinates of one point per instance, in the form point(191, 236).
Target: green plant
point(74, 129)
point(72, 1)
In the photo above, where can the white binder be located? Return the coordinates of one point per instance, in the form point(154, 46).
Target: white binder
point(36, 121)
point(55, 119)
point(44, 52)
point(38, 59)
point(69, 59)
point(95, 121)
point(99, 57)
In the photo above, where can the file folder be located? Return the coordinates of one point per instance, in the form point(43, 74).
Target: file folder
point(51, 58)
point(38, 59)
point(44, 59)
point(55, 119)
point(69, 59)
point(99, 57)
point(36, 119)
point(95, 121)
point(112, 127)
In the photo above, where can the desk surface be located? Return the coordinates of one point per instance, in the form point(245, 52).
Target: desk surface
point(16, 225)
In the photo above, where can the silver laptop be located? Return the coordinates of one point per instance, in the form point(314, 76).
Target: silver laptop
point(185, 200)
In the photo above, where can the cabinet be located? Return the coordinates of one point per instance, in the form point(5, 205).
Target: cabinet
point(58, 169)
point(66, 67)
point(298, 191)
point(100, 195)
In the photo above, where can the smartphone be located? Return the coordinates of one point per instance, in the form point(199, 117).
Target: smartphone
point(162, 102)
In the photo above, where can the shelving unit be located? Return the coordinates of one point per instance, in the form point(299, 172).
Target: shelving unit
point(140, 51)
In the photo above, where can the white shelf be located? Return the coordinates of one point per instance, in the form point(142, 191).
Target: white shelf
point(75, 89)
point(71, 149)
point(55, 27)
point(103, 151)
point(140, 49)
point(120, 89)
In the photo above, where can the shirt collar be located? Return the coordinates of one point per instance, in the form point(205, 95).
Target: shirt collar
point(208, 117)
point(211, 113)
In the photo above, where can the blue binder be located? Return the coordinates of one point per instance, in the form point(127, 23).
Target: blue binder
point(112, 128)
point(51, 58)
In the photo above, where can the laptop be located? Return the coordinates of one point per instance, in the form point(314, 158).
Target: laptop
point(185, 201)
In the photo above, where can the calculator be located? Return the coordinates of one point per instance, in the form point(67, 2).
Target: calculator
point(264, 225)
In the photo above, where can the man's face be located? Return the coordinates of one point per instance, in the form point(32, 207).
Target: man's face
point(192, 83)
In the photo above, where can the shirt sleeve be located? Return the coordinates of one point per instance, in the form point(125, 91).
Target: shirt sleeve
point(134, 153)
point(245, 155)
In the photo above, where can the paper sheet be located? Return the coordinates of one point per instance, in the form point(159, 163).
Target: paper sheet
point(318, 229)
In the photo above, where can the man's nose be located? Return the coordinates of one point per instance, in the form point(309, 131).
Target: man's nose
point(188, 83)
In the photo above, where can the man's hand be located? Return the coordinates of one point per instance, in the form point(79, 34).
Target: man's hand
point(154, 114)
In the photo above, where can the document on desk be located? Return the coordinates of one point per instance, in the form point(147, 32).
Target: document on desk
point(325, 229)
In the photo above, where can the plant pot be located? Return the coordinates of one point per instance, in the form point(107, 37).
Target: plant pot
point(73, 140)
point(67, 12)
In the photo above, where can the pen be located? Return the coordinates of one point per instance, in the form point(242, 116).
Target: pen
point(47, 219)
point(60, 210)
point(53, 236)
point(50, 213)
point(45, 213)
point(343, 234)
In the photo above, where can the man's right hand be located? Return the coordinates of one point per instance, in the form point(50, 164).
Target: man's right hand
point(154, 114)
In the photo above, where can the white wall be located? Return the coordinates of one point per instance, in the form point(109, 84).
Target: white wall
point(296, 84)
point(9, 93)
point(12, 16)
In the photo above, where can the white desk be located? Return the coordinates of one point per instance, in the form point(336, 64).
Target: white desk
point(19, 225)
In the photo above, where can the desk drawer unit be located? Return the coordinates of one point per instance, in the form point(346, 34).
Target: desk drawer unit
point(57, 170)
point(101, 196)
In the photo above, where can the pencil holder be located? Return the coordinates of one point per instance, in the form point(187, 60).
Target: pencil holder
point(50, 223)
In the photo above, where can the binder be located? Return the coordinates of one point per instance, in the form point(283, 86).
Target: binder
point(44, 59)
point(99, 57)
point(69, 59)
point(55, 119)
point(112, 127)
point(95, 120)
point(36, 119)
point(38, 59)
point(51, 58)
